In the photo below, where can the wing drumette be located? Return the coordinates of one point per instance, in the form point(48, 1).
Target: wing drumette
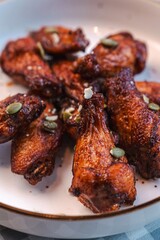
point(60, 40)
point(111, 54)
point(34, 149)
point(136, 122)
point(17, 112)
point(21, 60)
point(120, 50)
point(100, 181)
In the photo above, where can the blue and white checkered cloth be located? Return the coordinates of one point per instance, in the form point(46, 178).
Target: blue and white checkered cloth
point(149, 232)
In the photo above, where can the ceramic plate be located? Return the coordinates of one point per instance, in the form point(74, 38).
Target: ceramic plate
point(48, 209)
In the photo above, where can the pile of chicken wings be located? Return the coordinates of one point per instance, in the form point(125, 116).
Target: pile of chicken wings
point(95, 100)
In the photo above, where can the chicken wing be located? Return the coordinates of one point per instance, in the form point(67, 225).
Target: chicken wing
point(120, 50)
point(34, 149)
point(88, 67)
point(150, 89)
point(71, 82)
point(20, 60)
point(17, 112)
point(100, 181)
point(70, 115)
point(137, 125)
point(60, 40)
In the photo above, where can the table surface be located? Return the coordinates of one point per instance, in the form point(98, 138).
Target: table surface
point(149, 232)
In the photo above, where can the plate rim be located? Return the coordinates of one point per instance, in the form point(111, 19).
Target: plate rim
point(76, 217)
point(81, 217)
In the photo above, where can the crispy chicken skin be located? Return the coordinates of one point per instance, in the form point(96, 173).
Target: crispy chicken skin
point(34, 149)
point(70, 115)
point(129, 53)
point(71, 82)
point(87, 67)
point(137, 125)
point(150, 89)
point(100, 181)
point(20, 59)
point(10, 124)
point(60, 40)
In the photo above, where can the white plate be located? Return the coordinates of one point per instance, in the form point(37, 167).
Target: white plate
point(48, 209)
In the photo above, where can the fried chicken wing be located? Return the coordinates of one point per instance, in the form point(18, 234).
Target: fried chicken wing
point(34, 149)
point(70, 115)
point(87, 67)
point(137, 125)
point(17, 112)
point(60, 40)
point(71, 82)
point(21, 61)
point(100, 181)
point(150, 89)
point(120, 50)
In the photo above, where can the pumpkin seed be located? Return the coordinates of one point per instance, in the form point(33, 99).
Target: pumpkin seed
point(51, 118)
point(154, 106)
point(49, 125)
point(51, 30)
point(55, 37)
point(108, 42)
point(117, 152)
point(14, 108)
point(78, 118)
point(88, 93)
point(146, 99)
point(41, 50)
point(66, 115)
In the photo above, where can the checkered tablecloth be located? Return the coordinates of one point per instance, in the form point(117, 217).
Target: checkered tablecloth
point(149, 232)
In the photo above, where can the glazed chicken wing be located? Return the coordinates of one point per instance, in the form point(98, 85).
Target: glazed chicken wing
point(71, 82)
point(136, 122)
point(17, 112)
point(120, 50)
point(150, 89)
point(70, 115)
point(87, 67)
point(60, 40)
point(34, 149)
point(100, 181)
point(20, 60)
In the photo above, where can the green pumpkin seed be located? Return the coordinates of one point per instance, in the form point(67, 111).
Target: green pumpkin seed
point(66, 115)
point(108, 42)
point(146, 99)
point(78, 118)
point(49, 125)
point(49, 130)
point(51, 118)
point(154, 106)
point(117, 152)
point(55, 38)
point(41, 50)
point(14, 108)
point(51, 30)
